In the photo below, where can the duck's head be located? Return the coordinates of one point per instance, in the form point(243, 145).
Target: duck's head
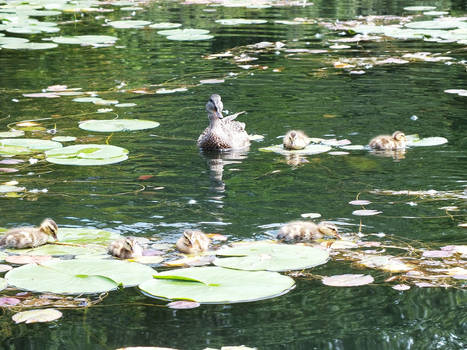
point(131, 246)
point(214, 106)
point(193, 241)
point(49, 227)
point(328, 229)
point(399, 136)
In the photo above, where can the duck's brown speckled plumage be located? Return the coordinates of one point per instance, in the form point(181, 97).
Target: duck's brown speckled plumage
point(301, 231)
point(125, 248)
point(192, 242)
point(387, 142)
point(29, 237)
point(222, 133)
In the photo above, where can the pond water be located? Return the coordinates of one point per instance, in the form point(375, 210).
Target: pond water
point(247, 195)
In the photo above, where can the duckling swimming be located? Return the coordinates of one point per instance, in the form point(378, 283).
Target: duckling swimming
point(192, 242)
point(295, 139)
point(394, 141)
point(29, 237)
point(125, 248)
point(222, 133)
point(300, 231)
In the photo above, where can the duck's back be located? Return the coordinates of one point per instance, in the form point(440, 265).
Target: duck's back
point(228, 134)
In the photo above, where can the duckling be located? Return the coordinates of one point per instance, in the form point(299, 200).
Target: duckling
point(306, 231)
point(125, 248)
point(192, 242)
point(295, 139)
point(222, 133)
point(29, 237)
point(394, 141)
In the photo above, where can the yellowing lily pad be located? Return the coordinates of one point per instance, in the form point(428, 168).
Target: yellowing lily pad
point(114, 125)
point(34, 316)
point(270, 256)
point(87, 155)
point(310, 149)
point(81, 276)
point(217, 285)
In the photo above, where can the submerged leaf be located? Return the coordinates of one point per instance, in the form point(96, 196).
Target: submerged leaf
point(33, 316)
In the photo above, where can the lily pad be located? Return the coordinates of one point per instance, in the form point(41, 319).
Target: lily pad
point(310, 149)
point(13, 133)
point(85, 40)
point(82, 276)
point(29, 46)
point(360, 202)
point(3, 283)
point(270, 256)
point(26, 146)
point(34, 316)
point(131, 23)
point(188, 32)
point(114, 125)
point(10, 188)
point(189, 37)
point(165, 25)
point(434, 24)
point(217, 285)
point(419, 8)
point(366, 212)
point(347, 280)
point(239, 21)
point(414, 140)
point(87, 155)
point(64, 138)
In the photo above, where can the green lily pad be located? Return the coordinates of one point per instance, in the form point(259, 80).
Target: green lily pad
point(3, 283)
point(34, 316)
point(12, 40)
point(82, 276)
point(217, 285)
point(29, 46)
point(187, 32)
point(85, 242)
point(114, 125)
point(239, 21)
point(310, 149)
point(8, 189)
point(87, 99)
point(26, 146)
point(165, 25)
point(13, 133)
point(434, 24)
point(85, 40)
point(87, 155)
point(125, 105)
point(270, 256)
point(131, 23)
point(189, 37)
point(414, 140)
point(64, 138)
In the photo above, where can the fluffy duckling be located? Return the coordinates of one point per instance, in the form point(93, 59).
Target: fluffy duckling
point(295, 139)
point(306, 231)
point(394, 141)
point(222, 132)
point(125, 248)
point(29, 237)
point(192, 242)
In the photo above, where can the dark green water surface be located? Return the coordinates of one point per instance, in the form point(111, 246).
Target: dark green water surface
point(258, 191)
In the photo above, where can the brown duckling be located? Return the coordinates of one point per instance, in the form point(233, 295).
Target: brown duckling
point(306, 231)
point(29, 237)
point(295, 139)
point(222, 133)
point(394, 141)
point(125, 248)
point(192, 242)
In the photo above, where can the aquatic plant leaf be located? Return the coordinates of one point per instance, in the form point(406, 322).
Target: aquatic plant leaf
point(419, 8)
point(85, 40)
point(3, 283)
point(347, 280)
point(182, 304)
point(27, 259)
point(5, 268)
point(435, 24)
point(238, 21)
point(87, 99)
point(64, 138)
point(341, 244)
point(34, 316)
point(91, 154)
point(385, 262)
point(401, 287)
point(359, 202)
point(81, 276)
point(189, 37)
point(353, 147)
point(310, 149)
point(415, 141)
point(9, 188)
point(187, 32)
point(9, 301)
point(12, 133)
point(437, 253)
point(311, 215)
point(165, 25)
point(270, 256)
point(26, 146)
point(125, 105)
point(115, 125)
point(221, 285)
point(366, 212)
point(130, 23)
point(29, 46)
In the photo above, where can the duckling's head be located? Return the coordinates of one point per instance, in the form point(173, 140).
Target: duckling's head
point(399, 136)
point(215, 106)
point(193, 241)
point(131, 246)
point(328, 229)
point(49, 227)
point(295, 139)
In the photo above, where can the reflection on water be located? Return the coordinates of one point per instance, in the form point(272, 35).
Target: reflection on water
point(248, 194)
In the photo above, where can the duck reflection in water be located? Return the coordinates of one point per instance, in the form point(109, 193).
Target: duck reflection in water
point(396, 154)
point(223, 142)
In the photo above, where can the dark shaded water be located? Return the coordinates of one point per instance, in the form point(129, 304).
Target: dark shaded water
point(250, 196)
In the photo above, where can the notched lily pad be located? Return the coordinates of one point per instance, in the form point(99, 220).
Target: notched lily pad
point(115, 125)
point(91, 154)
point(310, 149)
